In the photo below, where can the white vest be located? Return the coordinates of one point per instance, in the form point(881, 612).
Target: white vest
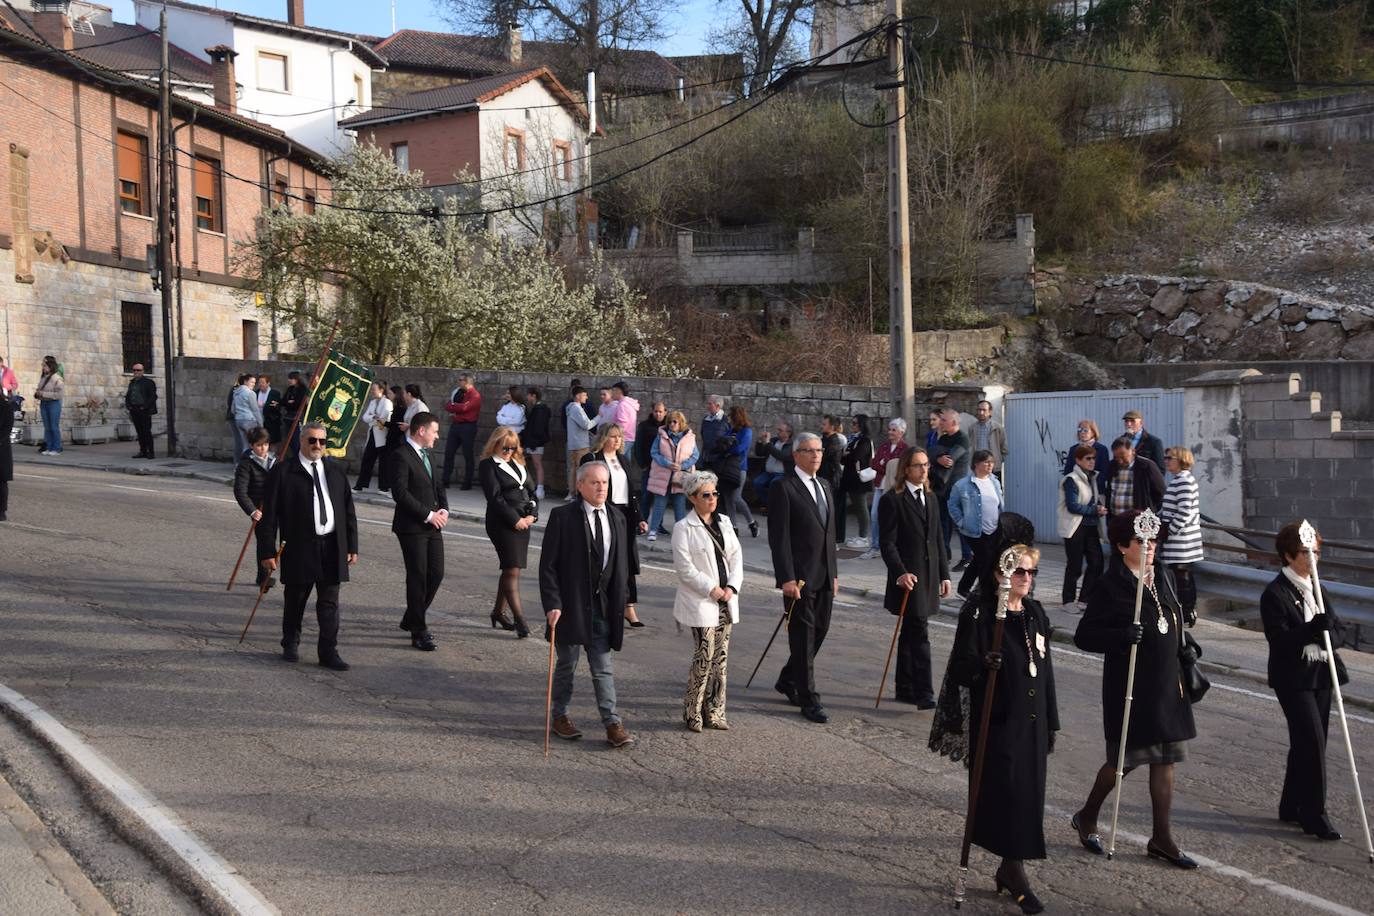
point(1068, 522)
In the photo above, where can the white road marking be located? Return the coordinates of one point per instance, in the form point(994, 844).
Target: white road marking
point(237, 893)
point(36, 477)
point(36, 528)
point(120, 486)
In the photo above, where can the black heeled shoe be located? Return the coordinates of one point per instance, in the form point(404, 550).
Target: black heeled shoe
point(1182, 860)
point(1320, 828)
point(753, 529)
point(1027, 901)
point(521, 630)
point(1089, 841)
point(499, 620)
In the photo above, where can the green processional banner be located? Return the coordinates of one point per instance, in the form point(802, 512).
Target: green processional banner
point(338, 400)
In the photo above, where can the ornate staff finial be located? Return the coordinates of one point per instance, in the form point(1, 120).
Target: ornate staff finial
point(1147, 525)
point(1307, 535)
point(1006, 564)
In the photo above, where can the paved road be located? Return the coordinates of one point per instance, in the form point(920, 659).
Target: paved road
point(415, 782)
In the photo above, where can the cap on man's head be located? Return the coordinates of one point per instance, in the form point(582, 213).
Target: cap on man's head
point(1132, 415)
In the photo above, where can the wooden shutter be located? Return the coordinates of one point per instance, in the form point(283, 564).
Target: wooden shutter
point(133, 173)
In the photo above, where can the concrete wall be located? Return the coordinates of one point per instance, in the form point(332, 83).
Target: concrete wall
point(1346, 385)
point(1213, 429)
point(1324, 121)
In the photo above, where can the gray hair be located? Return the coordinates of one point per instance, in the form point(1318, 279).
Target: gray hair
point(804, 438)
point(314, 424)
point(715, 399)
point(584, 469)
point(695, 480)
point(897, 423)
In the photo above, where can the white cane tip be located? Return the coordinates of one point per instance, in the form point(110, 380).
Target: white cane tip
point(1109, 856)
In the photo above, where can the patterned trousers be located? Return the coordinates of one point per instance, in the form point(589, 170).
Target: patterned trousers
point(706, 681)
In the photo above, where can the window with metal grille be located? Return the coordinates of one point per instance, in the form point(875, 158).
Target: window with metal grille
point(132, 151)
point(209, 193)
point(137, 327)
point(400, 152)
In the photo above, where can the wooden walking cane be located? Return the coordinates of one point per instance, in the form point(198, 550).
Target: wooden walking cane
point(895, 630)
point(281, 450)
point(1006, 563)
point(1307, 536)
point(262, 590)
point(786, 615)
point(1146, 530)
point(548, 696)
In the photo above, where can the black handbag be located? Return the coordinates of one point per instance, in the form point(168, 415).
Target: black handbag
point(1195, 683)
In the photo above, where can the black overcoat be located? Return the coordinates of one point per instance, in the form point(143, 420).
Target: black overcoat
point(566, 571)
point(911, 542)
point(1010, 820)
point(288, 513)
point(6, 450)
point(1287, 633)
point(1159, 711)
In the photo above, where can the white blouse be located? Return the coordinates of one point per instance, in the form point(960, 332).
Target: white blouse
point(620, 481)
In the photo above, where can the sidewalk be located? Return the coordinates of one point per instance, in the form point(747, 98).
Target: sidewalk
point(1227, 648)
point(37, 876)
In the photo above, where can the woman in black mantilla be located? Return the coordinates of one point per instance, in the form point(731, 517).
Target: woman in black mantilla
point(1161, 715)
point(1010, 818)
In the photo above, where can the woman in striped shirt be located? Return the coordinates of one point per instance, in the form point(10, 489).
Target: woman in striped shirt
point(1183, 547)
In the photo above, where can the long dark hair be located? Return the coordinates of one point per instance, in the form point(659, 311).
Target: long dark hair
point(861, 421)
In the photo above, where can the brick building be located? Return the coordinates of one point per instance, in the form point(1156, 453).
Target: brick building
point(78, 196)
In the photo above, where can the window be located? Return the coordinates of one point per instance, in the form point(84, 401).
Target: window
point(137, 327)
point(279, 192)
point(272, 72)
point(133, 174)
point(562, 160)
point(309, 206)
point(250, 341)
point(209, 206)
point(358, 99)
point(515, 149)
point(401, 153)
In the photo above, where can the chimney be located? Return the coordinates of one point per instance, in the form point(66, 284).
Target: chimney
point(295, 12)
point(226, 88)
point(513, 42)
point(52, 22)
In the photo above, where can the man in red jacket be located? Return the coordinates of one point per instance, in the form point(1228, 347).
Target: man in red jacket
point(464, 405)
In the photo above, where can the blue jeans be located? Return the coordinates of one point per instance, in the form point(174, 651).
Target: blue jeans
point(599, 661)
point(51, 411)
point(240, 442)
point(873, 520)
point(762, 483)
point(661, 506)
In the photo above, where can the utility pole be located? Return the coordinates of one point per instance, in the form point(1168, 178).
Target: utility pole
point(899, 228)
point(164, 232)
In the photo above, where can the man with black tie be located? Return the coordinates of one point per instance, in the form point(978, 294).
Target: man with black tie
point(421, 514)
point(913, 548)
point(801, 537)
point(308, 504)
point(583, 573)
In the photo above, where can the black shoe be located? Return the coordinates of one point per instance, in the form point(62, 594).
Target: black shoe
point(1182, 860)
point(359, 488)
point(815, 714)
point(1089, 841)
point(3, 517)
point(289, 654)
point(1320, 828)
point(753, 529)
point(960, 566)
point(905, 697)
point(1028, 902)
point(926, 703)
point(788, 692)
point(423, 641)
point(334, 663)
point(663, 532)
point(522, 630)
point(498, 619)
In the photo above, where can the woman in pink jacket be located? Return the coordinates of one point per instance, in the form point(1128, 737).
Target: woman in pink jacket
point(674, 454)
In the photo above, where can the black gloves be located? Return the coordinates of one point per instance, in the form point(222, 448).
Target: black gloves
point(1318, 624)
point(1132, 635)
point(1190, 617)
point(992, 661)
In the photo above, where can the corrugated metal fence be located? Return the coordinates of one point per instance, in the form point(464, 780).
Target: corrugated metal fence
point(1041, 429)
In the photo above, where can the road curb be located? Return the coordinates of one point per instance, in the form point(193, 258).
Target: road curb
point(55, 859)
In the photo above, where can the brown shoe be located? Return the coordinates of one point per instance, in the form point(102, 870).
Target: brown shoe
point(564, 728)
point(617, 736)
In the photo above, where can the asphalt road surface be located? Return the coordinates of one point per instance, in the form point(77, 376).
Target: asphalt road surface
point(416, 783)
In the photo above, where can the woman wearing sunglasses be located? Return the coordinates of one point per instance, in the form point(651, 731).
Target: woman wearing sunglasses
point(511, 512)
point(710, 569)
point(1010, 818)
point(624, 495)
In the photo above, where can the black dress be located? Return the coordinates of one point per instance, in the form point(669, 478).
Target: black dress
point(507, 496)
point(632, 515)
point(1010, 819)
point(6, 452)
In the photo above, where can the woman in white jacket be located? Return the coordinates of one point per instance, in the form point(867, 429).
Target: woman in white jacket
point(374, 420)
point(710, 571)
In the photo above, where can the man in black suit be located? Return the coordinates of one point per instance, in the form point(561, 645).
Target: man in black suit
point(913, 548)
point(421, 514)
point(583, 575)
point(801, 537)
point(308, 503)
point(269, 399)
point(1133, 482)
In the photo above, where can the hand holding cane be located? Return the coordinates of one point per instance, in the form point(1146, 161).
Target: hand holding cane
point(786, 615)
point(895, 630)
point(1005, 564)
point(548, 696)
point(1146, 530)
point(262, 590)
point(1307, 536)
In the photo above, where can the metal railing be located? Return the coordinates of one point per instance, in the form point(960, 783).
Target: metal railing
point(744, 238)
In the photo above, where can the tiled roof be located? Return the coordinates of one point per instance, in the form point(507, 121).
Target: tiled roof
point(480, 55)
point(130, 49)
point(361, 49)
point(471, 94)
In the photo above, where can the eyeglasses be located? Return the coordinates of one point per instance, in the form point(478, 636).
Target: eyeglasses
point(1170, 457)
point(1084, 429)
point(1033, 571)
point(507, 448)
point(708, 495)
point(919, 464)
point(315, 440)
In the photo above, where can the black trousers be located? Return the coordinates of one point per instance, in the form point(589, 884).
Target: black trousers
point(1083, 546)
point(980, 567)
point(464, 434)
point(805, 632)
point(1304, 782)
point(326, 600)
point(142, 419)
point(913, 660)
point(1187, 588)
point(370, 455)
point(4, 496)
point(424, 559)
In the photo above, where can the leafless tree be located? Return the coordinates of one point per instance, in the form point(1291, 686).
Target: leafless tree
point(595, 30)
point(765, 32)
